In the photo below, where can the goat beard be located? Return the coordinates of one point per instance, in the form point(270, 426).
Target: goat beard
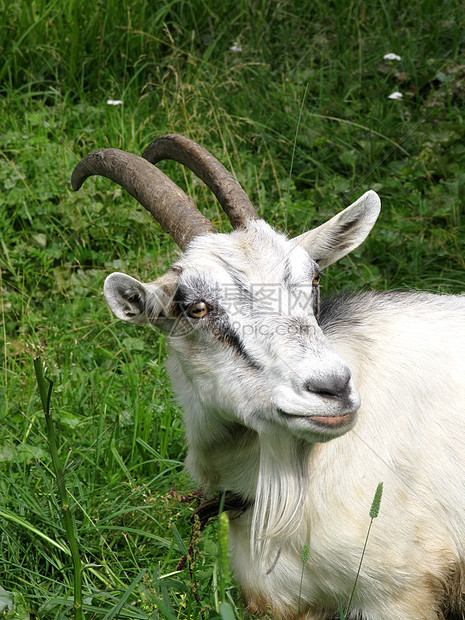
point(281, 496)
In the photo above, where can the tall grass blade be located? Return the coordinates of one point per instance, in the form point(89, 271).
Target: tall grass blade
point(181, 545)
point(304, 556)
point(114, 612)
point(45, 392)
point(223, 552)
point(293, 155)
point(227, 612)
point(6, 514)
point(165, 610)
point(374, 510)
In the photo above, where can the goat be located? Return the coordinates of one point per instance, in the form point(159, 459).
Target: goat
point(300, 408)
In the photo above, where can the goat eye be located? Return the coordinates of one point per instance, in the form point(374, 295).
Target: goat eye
point(198, 310)
point(316, 279)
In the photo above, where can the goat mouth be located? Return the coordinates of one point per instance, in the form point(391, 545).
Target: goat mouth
point(333, 421)
point(324, 421)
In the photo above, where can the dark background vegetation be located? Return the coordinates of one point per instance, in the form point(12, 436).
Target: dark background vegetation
point(293, 97)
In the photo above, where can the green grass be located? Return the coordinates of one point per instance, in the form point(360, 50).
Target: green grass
point(310, 87)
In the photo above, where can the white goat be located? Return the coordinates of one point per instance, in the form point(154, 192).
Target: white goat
point(301, 411)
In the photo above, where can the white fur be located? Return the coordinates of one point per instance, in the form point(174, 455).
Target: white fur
point(278, 420)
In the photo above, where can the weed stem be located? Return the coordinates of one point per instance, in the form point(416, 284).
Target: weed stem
point(67, 516)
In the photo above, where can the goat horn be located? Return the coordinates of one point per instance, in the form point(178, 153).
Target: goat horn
point(167, 202)
point(229, 192)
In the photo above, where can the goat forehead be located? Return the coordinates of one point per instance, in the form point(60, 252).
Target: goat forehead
point(255, 255)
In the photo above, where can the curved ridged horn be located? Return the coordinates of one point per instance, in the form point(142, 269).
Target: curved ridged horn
point(229, 192)
point(169, 205)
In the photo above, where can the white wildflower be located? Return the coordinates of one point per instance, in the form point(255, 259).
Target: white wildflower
point(114, 102)
point(392, 56)
point(236, 47)
point(396, 95)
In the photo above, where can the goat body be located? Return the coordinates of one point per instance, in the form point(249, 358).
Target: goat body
point(406, 353)
point(301, 409)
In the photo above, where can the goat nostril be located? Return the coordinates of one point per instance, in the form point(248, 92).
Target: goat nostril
point(331, 386)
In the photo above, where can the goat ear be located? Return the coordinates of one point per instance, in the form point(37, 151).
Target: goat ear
point(135, 302)
point(342, 233)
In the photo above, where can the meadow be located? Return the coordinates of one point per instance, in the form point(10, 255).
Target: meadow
point(298, 100)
